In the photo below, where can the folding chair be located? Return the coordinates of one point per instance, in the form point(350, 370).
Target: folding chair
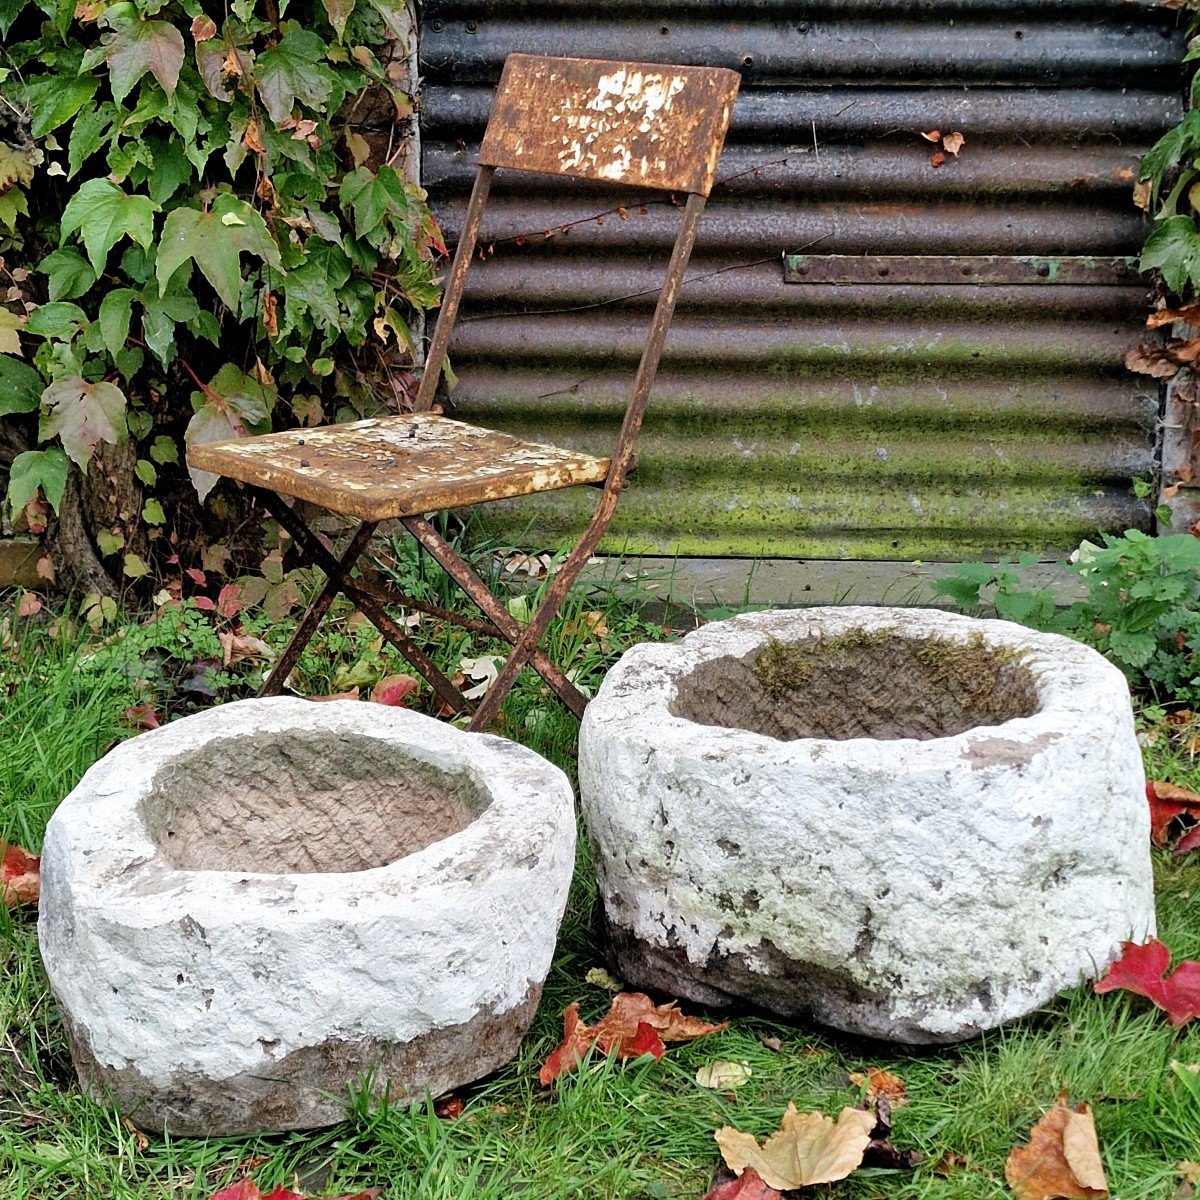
point(632, 124)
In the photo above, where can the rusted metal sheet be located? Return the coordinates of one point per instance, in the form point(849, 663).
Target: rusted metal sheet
point(781, 49)
point(846, 413)
point(620, 122)
point(381, 469)
point(978, 271)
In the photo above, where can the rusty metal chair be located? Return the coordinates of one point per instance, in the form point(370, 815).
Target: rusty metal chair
point(633, 124)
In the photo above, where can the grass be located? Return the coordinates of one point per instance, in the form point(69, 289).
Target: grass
point(610, 1132)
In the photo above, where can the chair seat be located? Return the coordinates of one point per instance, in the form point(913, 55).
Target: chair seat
point(390, 467)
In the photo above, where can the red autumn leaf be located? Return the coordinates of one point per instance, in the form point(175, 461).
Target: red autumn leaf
point(933, 135)
point(449, 1107)
point(747, 1186)
point(938, 159)
point(203, 603)
point(247, 1189)
point(229, 600)
point(142, 716)
point(196, 576)
point(634, 1026)
point(1142, 970)
point(1190, 841)
point(20, 875)
point(1167, 802)
point(393, 690)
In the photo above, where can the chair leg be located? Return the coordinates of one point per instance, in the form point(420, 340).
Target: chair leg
point(492, 608)
point(334, 582)
point(371, 607)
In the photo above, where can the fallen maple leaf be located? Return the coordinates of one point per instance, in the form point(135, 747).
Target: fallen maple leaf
point(247, 1189)
point(747, 1186)
point(236, 647)
point(953, 142)
point(1167, 802)
point(392, 690)
point(938, 159)
point(882, 1083)
point(808, 1148)
point(1142, 970)
point(633, 1026)
point(20, 875)
point(142, 717)
point(1061, 1159)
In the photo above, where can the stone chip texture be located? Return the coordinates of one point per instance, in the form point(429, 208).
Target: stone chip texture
point(919, 889)
point(404, 936)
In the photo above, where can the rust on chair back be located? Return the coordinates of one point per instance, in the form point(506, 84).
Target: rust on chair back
point(580, 117)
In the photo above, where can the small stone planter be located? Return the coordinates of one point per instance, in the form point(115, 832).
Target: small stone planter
point(251, 910)
point(906, 824)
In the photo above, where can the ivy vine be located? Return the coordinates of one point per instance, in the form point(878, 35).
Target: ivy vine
point(211, 229)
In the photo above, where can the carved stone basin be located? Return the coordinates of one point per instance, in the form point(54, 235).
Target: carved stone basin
point(249, 911)
point(905, 824)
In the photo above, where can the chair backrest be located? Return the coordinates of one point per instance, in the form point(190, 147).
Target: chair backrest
point(631, 123)
point(634, 124)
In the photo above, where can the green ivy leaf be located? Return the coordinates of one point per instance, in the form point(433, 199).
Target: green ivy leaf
point(294, 69)
point(145, 470)
point(83, 414)
point(20, 386)
point(68, 273)
point(234, 400)
point(152, 513)
point(104, 214)
point(91, 129)
point(1174, 248)
point(116, 311)
point(108, 542)
point(171, 169)
point(372, 198)
point(142, 46)
point(45, 469)
point(135, 567)
point(58, 320)
point(56, 98)
point(10, 10)
point(163, 450)
point(214, 241)
point(338, 12)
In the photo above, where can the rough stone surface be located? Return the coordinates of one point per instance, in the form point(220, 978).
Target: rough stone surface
point(948, 851)
point(249, 911)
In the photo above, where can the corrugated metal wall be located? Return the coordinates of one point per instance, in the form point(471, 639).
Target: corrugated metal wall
point(935, 372)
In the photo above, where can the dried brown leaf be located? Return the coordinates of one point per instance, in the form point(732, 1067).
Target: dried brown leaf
point(807, 1149)
point(1061, 1160)
point(881, 1083)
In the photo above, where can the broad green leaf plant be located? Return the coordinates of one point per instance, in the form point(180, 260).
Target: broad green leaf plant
point(193, 229)
point(1168, 187)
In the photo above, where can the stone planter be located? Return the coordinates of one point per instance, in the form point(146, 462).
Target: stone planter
point(906, 824)
point(248, 911)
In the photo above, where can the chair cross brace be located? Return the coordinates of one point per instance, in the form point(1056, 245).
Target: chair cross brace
point(371, 603)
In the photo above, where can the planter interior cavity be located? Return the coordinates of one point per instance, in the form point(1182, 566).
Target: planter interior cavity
point(874, 683)
point(304, 802)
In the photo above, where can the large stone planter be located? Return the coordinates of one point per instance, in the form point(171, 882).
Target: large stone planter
point(246, 912)
point(905, 824)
